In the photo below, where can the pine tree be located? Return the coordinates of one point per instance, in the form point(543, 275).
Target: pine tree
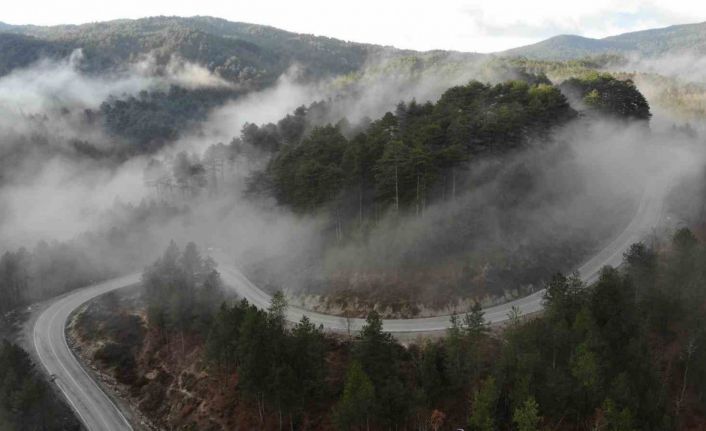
point(526, 416)
point(357, 402)
point(484, 406)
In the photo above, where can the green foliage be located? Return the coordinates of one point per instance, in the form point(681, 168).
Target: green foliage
point(483, 409)
point(526, 417)
point(153, 119)
point(591, 359)
point(310, 174)
point(585, 368)
point(249, 54)
point(474, 322)
point(614, 418)
point(182, 290)
point(644, 44)
point(277, 367)
point(308, 352)
point(381, 356)
point(26, 402)
point(400, 159)
point(593, 353)
point(222, 342)
point(18, 51)
point(603, 93)
point(358, 400)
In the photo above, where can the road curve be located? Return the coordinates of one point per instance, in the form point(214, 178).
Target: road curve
point(646, 218)
point(95, 409)
point(98, 412)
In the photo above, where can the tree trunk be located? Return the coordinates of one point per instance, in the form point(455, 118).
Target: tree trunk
point(691, 347)
point(360, 206)
point(424, 196)
point(418, 197)
point(397, 191)
point(261, 407)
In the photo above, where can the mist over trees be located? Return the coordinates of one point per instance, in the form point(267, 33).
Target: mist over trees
point(51, 268)
point(250, 54)
point(623, 354)
point(403, 159)
point(477, 195)
point(153, 119)
point(371, 178)
point(607, 95)
point(480, 149)
point(181, 289)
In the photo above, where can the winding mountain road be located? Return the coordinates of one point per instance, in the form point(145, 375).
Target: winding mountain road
point(646, 218)
point(98, 412)
point(92, 405)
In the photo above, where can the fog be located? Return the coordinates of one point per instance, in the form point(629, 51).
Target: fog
point(685, 66)
point(589, 179)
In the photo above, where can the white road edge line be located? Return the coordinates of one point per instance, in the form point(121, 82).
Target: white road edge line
point(80, 365)
point(258, 295)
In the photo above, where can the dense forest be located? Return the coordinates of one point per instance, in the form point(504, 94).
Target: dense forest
point(623, 354)
point(401, 159)
point(355, 173)
point(26, 401)
point(149, 121)
point(472, 194)
point(607, 95)
point(480, 149)
point(249, 54)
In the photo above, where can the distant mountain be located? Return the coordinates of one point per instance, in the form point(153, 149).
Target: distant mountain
point(257, 54)
point(237, 51)
point(650, 43)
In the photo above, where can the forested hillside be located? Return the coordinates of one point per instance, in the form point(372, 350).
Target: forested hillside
point(239, 52)
point(648, 43)
point(359, 181)
point(149, 121)
point(405, 159)
point(480, 149)
point(623, 354)
point(17, 50)
point(607, 95)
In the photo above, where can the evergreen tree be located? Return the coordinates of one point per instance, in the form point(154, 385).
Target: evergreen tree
point(484, 406)
point(526, 417)
point(355, 408)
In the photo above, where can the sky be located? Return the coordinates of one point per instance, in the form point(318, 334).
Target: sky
point(462, 25)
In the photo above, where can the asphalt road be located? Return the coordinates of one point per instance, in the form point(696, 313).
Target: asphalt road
point(646, 218)
point(98, 412)
point(95, 409)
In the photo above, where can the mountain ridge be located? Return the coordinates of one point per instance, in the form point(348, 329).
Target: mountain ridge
point(237, 51)
point(650, 42)
point(257, 54)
